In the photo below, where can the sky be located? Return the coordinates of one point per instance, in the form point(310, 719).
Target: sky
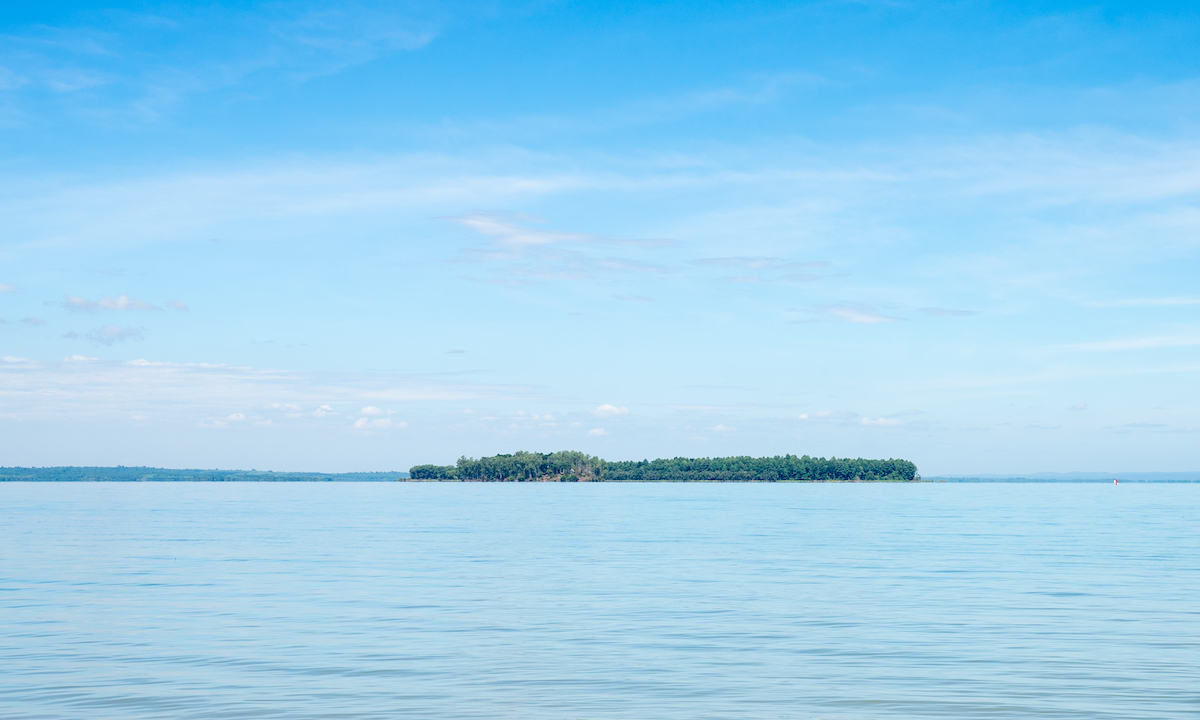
point(336, 236)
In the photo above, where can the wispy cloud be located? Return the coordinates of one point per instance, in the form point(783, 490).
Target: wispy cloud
point(121, 302)
point(536, 254)
point(507, 233)
point(515, 232)
point(1142, 343)
point(85, 387)
point(759, 263)
point(8, 288)
point(1144, 302)
point(137, 66)
point(765, 269)
point(945, 312)
point(110, 334)
point(177, 305)
point(829, 415)
point(857, 313)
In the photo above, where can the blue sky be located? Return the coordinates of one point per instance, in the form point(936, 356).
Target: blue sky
point(361, 236)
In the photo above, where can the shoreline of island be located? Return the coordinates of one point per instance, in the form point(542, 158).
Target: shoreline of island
point(575, 466)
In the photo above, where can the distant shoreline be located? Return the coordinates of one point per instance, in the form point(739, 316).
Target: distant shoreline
point(149, 474)
point(123, 473)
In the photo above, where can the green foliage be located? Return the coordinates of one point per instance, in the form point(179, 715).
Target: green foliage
point(433, 472)
point(519, 467)
point(785, 468)
point(569, 466)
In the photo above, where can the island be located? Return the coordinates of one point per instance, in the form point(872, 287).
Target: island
point(573, 466)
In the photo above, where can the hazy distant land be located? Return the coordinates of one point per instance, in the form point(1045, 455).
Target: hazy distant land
point(1075, 477)
point(149, 474)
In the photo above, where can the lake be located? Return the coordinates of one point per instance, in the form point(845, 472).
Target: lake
point(566, 601)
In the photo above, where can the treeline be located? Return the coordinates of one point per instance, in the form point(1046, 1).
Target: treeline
point(576, 466)
point(149, 474)
point(565, 466)
point(781, 468)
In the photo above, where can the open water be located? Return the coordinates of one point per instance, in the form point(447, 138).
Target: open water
point(535, 601)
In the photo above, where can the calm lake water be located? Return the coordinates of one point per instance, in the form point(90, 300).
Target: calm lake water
point(599, 601)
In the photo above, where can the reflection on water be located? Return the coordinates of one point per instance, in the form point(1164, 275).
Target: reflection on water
point(599, 601)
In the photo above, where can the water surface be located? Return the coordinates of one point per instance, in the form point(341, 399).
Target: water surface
point(585, 601)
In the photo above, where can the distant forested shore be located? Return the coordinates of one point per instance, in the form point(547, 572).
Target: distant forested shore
point(122, 473)
point(572, 466)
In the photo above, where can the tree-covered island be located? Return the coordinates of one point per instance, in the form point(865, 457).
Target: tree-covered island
point(571, 466)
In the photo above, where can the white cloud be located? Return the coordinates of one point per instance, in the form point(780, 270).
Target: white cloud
point(856, 313)
point(723, 428)
point(222, 423)
point(142, 362)
point(35, 321)
point(177, 305)
point(829, 415)
point(121, 302)
point(366, 424)
point(323, 411)
point(375, 412)
point(8, 288)
point(1079, 406)
point(79, 359)
point(110, 334)
point(607, 410)
point(289, 407)
point(504, 232)
point(595, 432)
point(880, 421)
point(13, 359)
